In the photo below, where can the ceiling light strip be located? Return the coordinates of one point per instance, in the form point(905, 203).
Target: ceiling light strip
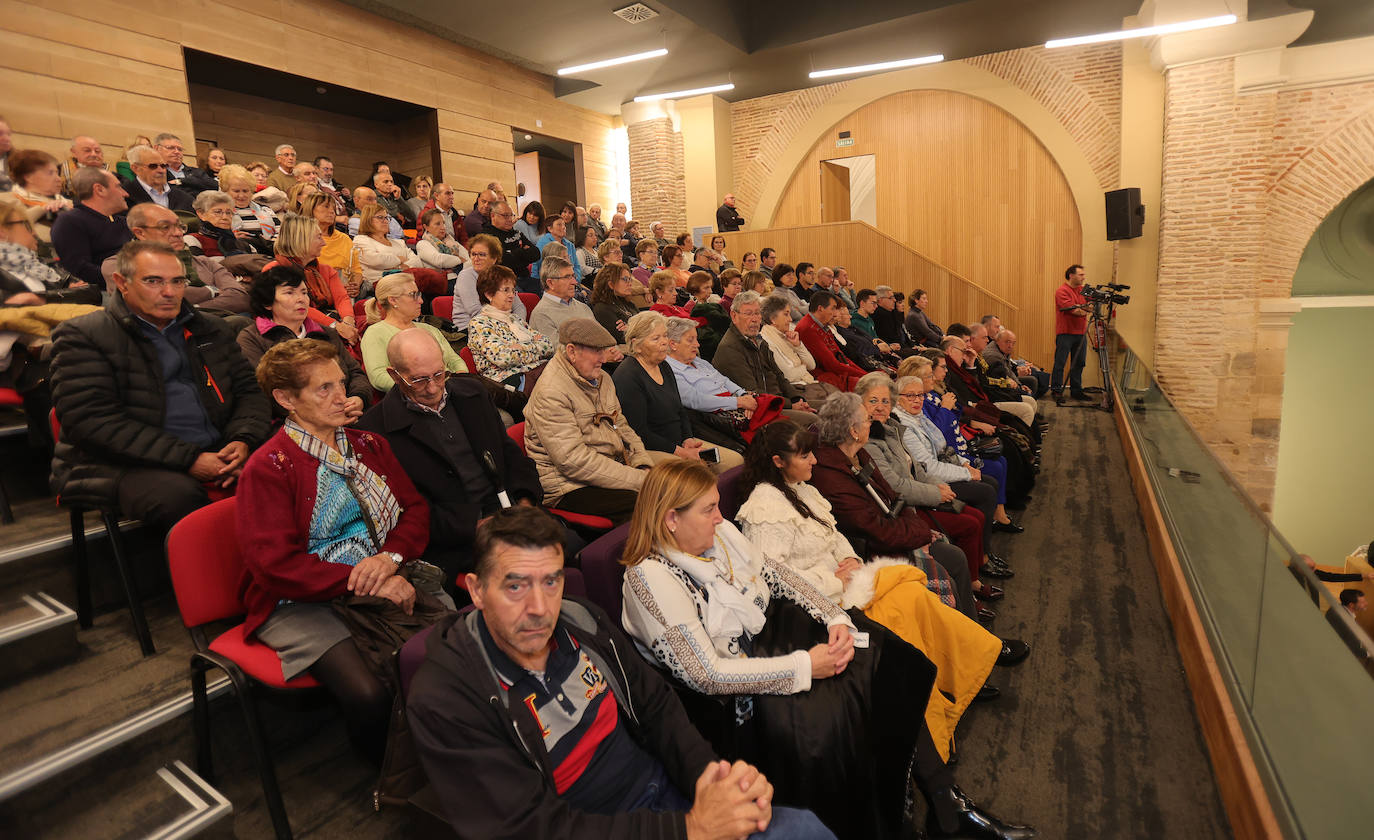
point(611, 62)
point(682, 94)
point(1144, 32)
point(873, 68)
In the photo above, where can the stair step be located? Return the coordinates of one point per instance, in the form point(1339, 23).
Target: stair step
point(37, 631)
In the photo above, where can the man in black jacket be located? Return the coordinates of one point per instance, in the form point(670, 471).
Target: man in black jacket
point(441, 432)
point(517, 252)
point(727, 217)
point(186, 178)
point(747, 360)
point(150, 182)
point(155, 398)
point(535, 717)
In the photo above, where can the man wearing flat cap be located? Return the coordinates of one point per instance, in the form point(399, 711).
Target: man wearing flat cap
point(589, 459)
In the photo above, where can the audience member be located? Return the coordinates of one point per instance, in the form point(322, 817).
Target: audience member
point(859, 348)
point(260, 171)
point(37, 188)
point(790, 523)
point(517, 253)
point(922, 330)
point(721, 410)
point(699, 287)
point(208, 283)
point(85, 152)
point(441, 429)
point(647, 387)
point(727, 217)
point(749, 262)
point(590, 460)
point(1354, 602)
point(442, 200)
point(746, 358)
point(1070, 324)
point(484, 251)
point(481, 212)
point(436, 248)
point(558, 303)
point(843, 287)
point(330, 305)
point(389, 195)
point(280, 302)
point(758, 283)
point(793, 360)
point(89, 233)
point(672, 261)
point(768, 260)
point(337, 250)
point(832, 366)
point(611, 302)
point(594, 221)
point(663, 293)
point(250, 217)
point(214, 237)
point(6, 146)
point(122, 167)
point(420, 198)
point(531, 221)
point(503, 346)
point(701, 261)
point(326, 512)
point(299, 192)
point(586, 252)
point(283, 176)
point(658, 234)
point(784, 279)
point(324, 175)
point(364, 197)
point(731, 285)
point(1002, 362)
point(1007, 388)
point(699, 597)
point(155, 399)
point(641, 776)
point(806, 280)
point(187, 178)
point(377, 252)
point(150, 182)
point(887, 319)
point(215, 160)
point(555, 230)
point(394, 309)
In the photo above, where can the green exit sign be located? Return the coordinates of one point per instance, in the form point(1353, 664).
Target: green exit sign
point(844, 141)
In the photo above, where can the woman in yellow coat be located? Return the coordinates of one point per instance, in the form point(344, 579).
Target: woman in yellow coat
point(789, 521)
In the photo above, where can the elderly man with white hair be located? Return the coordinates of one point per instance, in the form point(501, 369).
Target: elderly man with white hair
point(209, 283)
point(149, 183)
point(283, 177)
point(192, 180)
point(594, 221)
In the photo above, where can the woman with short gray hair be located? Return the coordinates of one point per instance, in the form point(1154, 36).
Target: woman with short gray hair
point(648, 394)
point(793, 359)
point(215, 238)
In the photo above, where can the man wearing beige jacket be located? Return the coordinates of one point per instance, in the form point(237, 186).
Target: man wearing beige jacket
point(589, 459)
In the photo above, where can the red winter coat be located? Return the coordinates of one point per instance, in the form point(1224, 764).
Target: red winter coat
point(832, 365)
point(855, 510)
point(276, 499)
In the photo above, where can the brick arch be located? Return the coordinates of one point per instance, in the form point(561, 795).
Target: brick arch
point(1305, 193)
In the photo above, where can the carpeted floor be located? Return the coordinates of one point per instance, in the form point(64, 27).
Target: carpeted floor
point(1095, 734)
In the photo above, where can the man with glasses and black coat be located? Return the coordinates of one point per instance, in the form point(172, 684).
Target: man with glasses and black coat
point(517, 252)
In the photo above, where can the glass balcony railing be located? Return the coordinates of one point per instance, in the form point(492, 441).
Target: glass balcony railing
point(1300, 672)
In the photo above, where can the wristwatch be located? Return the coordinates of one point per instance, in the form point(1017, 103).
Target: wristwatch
point(396, 558)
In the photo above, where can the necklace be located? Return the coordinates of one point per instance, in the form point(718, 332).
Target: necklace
point(729, 562)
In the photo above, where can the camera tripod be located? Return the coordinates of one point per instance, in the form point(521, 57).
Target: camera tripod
point(1099, 326)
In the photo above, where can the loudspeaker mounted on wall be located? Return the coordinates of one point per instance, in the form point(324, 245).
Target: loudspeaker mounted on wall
point(1125, 214)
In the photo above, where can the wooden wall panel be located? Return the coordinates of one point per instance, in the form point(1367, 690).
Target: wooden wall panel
point(965, 184)
point(114, 54)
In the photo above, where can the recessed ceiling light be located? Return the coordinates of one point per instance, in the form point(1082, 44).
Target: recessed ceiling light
point(528, 137)
point(611, 62)
point(1143, 32)
point(873, 68)
point(321, 90)
point(682, 94)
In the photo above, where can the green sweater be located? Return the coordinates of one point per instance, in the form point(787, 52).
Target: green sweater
point(375, 339)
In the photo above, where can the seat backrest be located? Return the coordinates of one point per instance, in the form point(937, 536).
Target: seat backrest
point(530, 300)
point(728, 485)
point(517, 434)
point(442, 307)
point(602, 572)
point(10, 397)
point(360, 312)
point(468, 360)
point(206, 567)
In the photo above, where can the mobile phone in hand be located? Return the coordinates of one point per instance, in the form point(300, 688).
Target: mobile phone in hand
point(710, 455)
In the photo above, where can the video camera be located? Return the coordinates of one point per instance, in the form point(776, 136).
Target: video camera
point(1107, 293)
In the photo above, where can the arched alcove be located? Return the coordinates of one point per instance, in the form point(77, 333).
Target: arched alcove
point(1339, 258)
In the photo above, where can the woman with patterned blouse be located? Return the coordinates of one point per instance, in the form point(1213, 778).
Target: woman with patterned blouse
point(503, 346)
point(833, 716)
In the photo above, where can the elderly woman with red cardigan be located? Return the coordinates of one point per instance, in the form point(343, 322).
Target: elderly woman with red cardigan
point(326, 511)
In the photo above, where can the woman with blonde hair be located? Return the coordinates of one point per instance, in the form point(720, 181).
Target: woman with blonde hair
point(298, 193)
point(835, 725)
point(395, 308)
point(421, 187)
point(377, 252)
point(337, 251)
point(251, 217)
point(299, 245)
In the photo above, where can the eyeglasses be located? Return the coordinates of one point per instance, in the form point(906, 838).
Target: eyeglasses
point(218, 211)
point(506, 215)
point(165, 227)
point(909, 396)
point(152, 165)
point(155, 283)
point(415, 295)
point(564, 277)
point(424, 381)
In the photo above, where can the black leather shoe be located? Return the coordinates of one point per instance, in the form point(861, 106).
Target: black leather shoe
point(986, 693)
point(1013, 652)
point(985, 615)
point(989, 593)
point(973, 822)
point(1080, 395)
point(999, 567)
point(1008, 527)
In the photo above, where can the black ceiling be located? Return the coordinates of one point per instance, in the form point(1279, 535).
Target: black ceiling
point(228, 74)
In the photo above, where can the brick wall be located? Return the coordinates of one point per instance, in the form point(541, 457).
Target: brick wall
point(1247, 178)
point(657, 186)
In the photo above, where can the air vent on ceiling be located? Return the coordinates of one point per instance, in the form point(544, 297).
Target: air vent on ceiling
point(637, 13)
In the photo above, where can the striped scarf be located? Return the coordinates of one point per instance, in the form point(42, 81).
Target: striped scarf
point(380, 508)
